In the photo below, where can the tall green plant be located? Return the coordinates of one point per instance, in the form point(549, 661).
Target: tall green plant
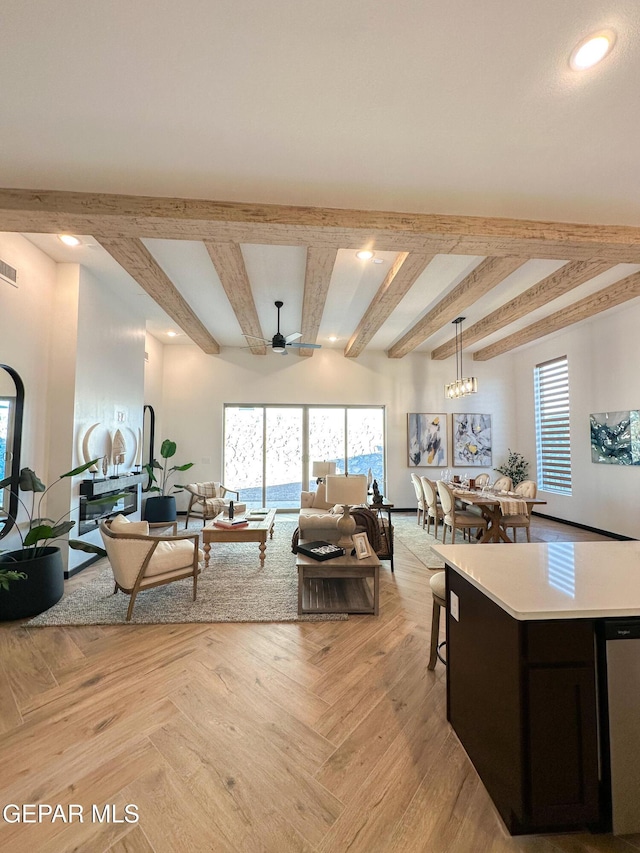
point(167, 451)
point(515, 467)
point(41, 530)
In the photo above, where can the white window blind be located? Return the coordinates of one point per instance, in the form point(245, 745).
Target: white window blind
point(551, 382)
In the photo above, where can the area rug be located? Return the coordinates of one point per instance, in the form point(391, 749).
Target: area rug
point(232, 589)
point(418, 541)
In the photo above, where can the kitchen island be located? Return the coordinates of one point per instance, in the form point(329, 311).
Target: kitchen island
point(526, 674)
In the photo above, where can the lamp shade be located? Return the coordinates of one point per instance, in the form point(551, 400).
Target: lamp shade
point(346, 490)
point(321, 469)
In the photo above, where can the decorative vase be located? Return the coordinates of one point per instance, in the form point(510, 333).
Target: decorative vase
point(40, 590)
point(161, 508)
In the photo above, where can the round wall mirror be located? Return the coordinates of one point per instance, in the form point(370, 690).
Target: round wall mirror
point(11, 413)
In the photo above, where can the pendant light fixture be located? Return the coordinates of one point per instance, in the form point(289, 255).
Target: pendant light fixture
point(461, 387)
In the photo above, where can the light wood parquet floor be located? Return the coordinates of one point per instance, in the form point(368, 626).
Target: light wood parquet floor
point(324, 737)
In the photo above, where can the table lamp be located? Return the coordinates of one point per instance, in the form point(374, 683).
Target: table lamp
point(346, 491)
point(321, 469)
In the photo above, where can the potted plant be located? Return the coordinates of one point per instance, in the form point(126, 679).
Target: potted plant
point(32, 577)
point(515, 467)
point(162, 507)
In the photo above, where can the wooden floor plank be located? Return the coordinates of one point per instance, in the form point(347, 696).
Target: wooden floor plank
point(313, 736)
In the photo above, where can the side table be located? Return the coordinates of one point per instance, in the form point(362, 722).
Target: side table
point(340, 585)
point(386, 528)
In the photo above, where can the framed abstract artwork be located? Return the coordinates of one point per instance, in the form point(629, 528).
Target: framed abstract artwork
point(471, 439)
point(427, 440)
point(615, 437)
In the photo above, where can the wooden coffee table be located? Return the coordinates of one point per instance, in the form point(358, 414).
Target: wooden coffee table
point(256, 531)
point(340, 585)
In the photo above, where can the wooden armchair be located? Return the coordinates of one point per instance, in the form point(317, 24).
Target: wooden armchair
point(140, 561)
point(210, 499)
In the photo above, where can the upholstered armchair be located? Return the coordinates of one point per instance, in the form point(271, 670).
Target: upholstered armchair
point(140, 561)
point(210, 499)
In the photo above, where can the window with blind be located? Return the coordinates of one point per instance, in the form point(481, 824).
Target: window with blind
point(551, 383)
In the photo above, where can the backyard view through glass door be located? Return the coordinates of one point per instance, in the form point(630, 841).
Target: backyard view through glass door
point(269, 450)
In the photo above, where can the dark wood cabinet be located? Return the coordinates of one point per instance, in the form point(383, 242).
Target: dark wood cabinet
point(521, 696)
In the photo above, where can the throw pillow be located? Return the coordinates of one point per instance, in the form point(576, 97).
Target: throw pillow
point(121, 524)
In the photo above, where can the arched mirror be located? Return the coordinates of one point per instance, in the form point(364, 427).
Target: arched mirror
point(11, 412)
point(148, 440)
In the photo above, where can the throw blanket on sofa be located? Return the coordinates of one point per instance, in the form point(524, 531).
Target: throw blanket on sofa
point(366, 522)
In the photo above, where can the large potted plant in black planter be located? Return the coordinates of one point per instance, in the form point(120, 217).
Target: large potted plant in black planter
point(32, 577)
point(162, 507)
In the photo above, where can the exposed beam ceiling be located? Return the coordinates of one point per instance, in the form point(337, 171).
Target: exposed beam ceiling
point(618, 293)
point(426, 275)
point(136, 259)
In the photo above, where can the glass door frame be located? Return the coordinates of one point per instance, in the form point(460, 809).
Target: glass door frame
point(305, 462)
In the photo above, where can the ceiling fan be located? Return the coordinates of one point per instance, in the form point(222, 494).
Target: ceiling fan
point(279, 343)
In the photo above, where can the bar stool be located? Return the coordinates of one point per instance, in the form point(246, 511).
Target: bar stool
point(438, 592)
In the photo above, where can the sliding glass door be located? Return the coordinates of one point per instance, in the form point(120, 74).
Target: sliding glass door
point(269, 450)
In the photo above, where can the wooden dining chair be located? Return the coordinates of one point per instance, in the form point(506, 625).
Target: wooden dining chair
point(482, 480)
point(525, 489)
point(503, 484)
point(433, 508)
point(454, 518)
point(417, 485)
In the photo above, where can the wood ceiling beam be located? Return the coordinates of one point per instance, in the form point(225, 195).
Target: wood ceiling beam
point(229, 263)
point(54, 211)
point(317, 277)
point(618, 293)
point(480, 281)
point(134, 257)
point(403, 273)
point(558, 283)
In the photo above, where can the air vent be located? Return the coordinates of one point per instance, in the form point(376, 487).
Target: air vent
point(8, 273)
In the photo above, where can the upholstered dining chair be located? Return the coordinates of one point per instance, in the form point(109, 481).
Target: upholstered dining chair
point(503, 484)
point(210, 499)
point(454, 518)
point(417, 485)
point(438, 593)
point(482, 480)
point(140, 561)
point(525, 489)
point(433, 507)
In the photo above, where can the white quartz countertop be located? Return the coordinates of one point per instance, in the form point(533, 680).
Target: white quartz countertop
point(553, 580)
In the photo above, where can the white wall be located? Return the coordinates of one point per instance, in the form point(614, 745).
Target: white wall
point(25, 318)
point(603, 376)
point(196, 386)
point(80, 353)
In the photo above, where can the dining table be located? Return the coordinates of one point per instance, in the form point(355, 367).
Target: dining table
point(494, 506)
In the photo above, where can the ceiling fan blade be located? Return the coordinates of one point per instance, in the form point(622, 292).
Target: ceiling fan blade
point(293, 337)
point(305, 346)
point(256, 338)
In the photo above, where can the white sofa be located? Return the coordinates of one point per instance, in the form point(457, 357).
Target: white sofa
point(316, 520)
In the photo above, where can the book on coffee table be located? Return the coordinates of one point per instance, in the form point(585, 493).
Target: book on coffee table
point(240, 521)
point(321, 550)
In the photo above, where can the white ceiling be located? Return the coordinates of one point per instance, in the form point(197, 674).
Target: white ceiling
point(455, 108)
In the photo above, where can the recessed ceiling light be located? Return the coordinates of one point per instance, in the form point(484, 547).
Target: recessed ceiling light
point(69, 239)
point(332, 338)
point(172, 334)
point(378, 260)
point(592, 50)
point(364, 255)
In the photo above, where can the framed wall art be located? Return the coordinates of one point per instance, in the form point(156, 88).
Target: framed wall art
point(427, 440)
point(471, 440)
point(615, 437)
